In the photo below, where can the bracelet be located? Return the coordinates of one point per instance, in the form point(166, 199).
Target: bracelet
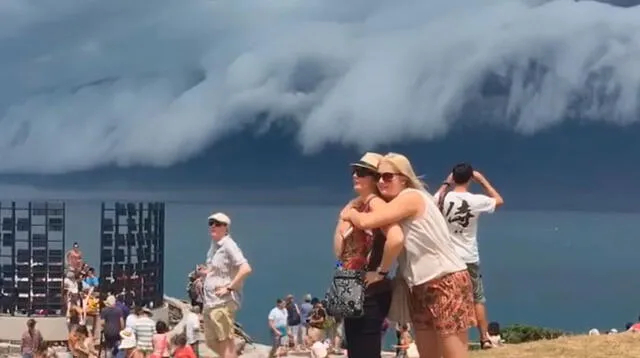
point(446, 183)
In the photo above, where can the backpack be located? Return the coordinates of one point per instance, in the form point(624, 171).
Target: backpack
point(293, 317)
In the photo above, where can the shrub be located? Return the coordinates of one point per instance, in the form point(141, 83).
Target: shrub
point(518, 333)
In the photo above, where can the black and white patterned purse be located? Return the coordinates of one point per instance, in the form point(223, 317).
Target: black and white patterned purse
point(345, 297)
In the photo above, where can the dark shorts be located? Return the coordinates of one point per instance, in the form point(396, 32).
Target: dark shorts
point(476, 280)
point(444, 304)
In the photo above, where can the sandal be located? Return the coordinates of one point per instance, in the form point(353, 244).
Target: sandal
point(486, 344)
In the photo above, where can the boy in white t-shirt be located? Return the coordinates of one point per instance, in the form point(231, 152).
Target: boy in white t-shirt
point(462, 209)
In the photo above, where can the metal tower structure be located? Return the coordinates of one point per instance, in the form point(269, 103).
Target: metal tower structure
point(132, 251)
point(32, 245)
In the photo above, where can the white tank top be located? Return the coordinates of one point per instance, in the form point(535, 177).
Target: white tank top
point(428, 250)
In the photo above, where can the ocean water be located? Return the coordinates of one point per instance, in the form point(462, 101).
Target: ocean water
point(569, 270)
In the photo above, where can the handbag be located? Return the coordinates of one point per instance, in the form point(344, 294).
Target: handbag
point(400, 309)
point(345, 296)
point(346, 293)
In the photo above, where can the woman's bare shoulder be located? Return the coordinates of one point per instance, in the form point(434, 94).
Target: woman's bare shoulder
point(376, 201)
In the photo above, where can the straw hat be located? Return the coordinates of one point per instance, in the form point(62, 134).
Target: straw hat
point(127, 339)
point(369, 160)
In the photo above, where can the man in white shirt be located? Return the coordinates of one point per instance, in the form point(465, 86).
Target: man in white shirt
point(278, 325)
point(462, 209)
point(132, 318)
point(227, 268)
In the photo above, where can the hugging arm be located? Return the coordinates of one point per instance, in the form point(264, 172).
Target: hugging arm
point(394, 242)
point(338, 236)
point(401, 207)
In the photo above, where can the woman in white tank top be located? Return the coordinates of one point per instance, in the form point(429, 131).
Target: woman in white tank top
point(441, 297)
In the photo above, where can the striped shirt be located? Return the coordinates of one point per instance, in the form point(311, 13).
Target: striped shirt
point(223, 264)
point(144, 329)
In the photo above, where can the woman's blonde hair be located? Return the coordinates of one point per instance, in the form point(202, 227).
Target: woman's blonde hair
point(403, 166)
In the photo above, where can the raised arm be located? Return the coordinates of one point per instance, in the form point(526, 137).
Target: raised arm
point(488, 188)
point(402, 207)
point(446, 184)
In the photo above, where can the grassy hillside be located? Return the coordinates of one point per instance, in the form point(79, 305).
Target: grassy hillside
point(622, 345)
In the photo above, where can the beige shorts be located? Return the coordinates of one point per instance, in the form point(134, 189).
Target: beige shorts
point(218, 324)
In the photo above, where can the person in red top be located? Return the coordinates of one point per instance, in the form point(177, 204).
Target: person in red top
point(363, 250)
point(183, 350)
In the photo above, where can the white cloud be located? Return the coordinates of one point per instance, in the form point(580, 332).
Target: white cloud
point(90, 83)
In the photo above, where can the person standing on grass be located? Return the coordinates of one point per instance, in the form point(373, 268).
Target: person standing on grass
point(462, 209)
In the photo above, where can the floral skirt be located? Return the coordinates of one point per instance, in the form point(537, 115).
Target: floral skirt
point(444, 304)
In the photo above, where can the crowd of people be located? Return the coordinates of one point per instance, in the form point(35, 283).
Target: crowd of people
point(435, 296)
point(117, 326)
point(80, 293)
point(304, 327)
point(437, 288)
point(308, 327)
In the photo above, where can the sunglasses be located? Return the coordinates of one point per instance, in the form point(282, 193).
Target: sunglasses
point(388, 177)
point(363, 172)
point(216, 223)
